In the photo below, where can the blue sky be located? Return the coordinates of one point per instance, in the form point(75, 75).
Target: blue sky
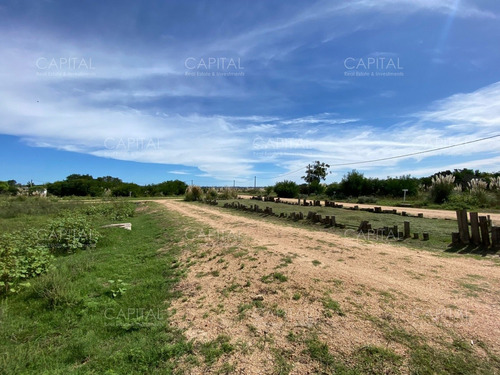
point(222, 91)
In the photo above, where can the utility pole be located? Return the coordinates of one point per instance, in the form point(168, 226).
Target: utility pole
point(234, 184)
point(255, 182)
point(191, 182)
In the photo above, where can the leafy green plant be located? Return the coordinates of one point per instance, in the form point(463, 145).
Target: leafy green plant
point(70, 233)
point(117, 288)
point(21, 257)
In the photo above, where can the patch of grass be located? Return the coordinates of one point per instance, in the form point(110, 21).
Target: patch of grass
point(296, 296)
point(275, 276)
point(281, 364)
point(320, 352)
point(376, 360)
point(242, 308)
point(214, 349)
point(316, 262)
point(277, 312)
point(68, 322)
point(330, 304)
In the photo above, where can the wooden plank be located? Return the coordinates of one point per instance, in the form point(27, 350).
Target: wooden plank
point(474, 225)
point(483, 225)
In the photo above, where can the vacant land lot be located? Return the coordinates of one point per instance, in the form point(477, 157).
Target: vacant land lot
point(198, 289)
point(290, 300)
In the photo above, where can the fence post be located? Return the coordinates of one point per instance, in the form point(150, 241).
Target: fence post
point(483, 224)
point(474, 226)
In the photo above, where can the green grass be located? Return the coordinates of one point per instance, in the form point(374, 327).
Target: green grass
point(439, 230)
point(213, 350)
point(275, 276)
point(70, 322)
point(330, 304)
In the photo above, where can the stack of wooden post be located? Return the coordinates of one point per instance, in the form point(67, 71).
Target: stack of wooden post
point(479, 234)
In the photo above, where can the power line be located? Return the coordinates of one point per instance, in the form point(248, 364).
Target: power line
point(392, 157)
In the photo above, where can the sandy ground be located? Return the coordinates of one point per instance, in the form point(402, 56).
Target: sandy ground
point(438, 214)
point(439, 298)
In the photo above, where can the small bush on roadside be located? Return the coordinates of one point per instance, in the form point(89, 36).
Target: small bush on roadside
point(364, 199)
point(70, 233)
point(193, 193)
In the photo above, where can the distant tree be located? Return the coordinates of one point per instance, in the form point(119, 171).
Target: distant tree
point(332, 189)
point(316, 172)
point(354, 184)
point(286, 189)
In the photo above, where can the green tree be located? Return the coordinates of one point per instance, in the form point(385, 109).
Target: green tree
point(354, 184)
point(286, 189)
point(316, 172)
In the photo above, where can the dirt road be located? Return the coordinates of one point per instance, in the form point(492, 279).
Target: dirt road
point(439, 298)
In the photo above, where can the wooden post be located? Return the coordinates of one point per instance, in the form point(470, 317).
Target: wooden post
point(425, 236)
point(495, 237)
point(463, 226)
point(415, 236)
point(420, 215)
point(483, 225)
point(407, 229)
point(455, 238)
point(474, 226)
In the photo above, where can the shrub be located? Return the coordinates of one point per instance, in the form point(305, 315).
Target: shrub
point(21, 257)
point(211, 195)
point(441, 188)
point(70, 233)
point(113, 211)
point(228, 193)
point(364, 199)
point(286, 189)
point(193, 193)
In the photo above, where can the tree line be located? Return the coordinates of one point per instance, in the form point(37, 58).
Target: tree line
point(86, 185)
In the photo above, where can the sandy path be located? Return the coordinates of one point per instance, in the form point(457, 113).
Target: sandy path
point(425, 284)
point(430, 213)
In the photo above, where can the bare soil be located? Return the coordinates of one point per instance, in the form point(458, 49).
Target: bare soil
point(234, 288)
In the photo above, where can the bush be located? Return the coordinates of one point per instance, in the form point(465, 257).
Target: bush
point(364, 199)
point(211, 195)
point(228, 193)
point(113, 211)
point(70, 233)
point(442, 187)
point(193, 193)
point(21, 256)
point(286, 189)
